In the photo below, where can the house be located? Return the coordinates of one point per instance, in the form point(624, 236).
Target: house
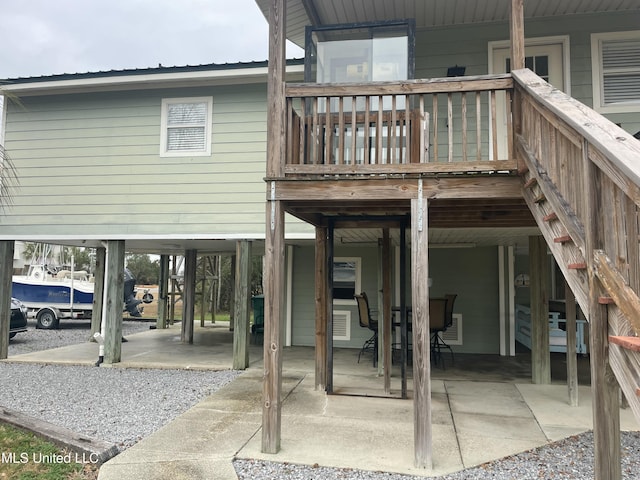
point(385, 135)
point(403, 155)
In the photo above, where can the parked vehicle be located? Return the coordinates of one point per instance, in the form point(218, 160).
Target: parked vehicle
point(51, 295)
point(18, 321)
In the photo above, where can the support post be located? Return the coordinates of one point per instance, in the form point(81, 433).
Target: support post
point(98, 292)
point(572, 355)
point(539, 291)
point(114, 299)
point(241, 305)
point(232, 293)
point(321, 307)
point(189, 295)
point(274, 231)
point(386, 308)
point(516, 31)
point(421, 349)
point(7, 248)
point(329, 307)
point(605, 392)
point(404, 342)
point(273, 326)
point(163, 286)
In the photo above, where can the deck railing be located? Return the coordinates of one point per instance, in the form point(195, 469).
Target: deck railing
point(437, 125)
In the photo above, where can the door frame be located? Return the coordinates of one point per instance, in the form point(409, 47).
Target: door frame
point(559, 40)
point(562, 40)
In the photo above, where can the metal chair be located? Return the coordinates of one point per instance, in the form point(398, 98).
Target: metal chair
point(440, 318)
point(366, 321)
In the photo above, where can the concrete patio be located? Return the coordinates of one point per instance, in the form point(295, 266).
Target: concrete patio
point(484, 408)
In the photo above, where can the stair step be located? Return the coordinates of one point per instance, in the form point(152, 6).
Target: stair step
point(531, 182)
point(562, 239)
point(630, 343)
point(540, 198)
point(549, 218)
point(606, 301)
point(577, 266)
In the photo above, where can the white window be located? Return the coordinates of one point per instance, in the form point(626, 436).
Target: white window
point(616, 71)
point(346, 280)
point(186, 126)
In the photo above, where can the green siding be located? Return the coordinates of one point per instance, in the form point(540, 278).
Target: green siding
point(471, 273)
point(440, 48)
point(91, 161)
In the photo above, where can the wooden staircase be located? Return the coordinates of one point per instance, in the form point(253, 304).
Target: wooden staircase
point(581, 182)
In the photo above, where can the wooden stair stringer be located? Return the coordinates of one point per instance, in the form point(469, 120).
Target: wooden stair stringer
point(564, 223)
point(566, 253)
point(624, 363)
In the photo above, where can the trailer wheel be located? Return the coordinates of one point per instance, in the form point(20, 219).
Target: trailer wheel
point(46, 319)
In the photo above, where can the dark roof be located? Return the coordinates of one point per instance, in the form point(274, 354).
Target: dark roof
point(145, 71)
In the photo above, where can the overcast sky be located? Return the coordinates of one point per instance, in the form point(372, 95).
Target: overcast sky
point(46, 37)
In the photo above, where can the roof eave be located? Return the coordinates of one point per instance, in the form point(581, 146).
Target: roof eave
point(128, 81)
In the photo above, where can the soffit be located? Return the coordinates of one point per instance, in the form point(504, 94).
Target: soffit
point(431, 13)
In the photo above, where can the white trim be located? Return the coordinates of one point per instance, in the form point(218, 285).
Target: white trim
point(289, 304)
point(563, 40)
point(511, 282)
point(597, 74)
point(196, 236)
point(501, 299)
point(164, 127)
point(144, 81)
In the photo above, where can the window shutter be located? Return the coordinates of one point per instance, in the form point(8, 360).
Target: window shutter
point(621, 71)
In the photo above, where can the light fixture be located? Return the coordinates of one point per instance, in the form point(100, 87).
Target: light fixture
point(456, 71)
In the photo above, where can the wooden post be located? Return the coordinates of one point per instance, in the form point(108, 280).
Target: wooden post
point(98, 292)
point(188, 295)
point(386, 310)
point(7, 248)
point(274, 232)
point(539, 291)
point(605, 392)
point(174, 286)
point(516, 32)
point(321, 307)
point(404, 342)
point(163, 285)
point(421, 355)
point(232, 294)
point(114, 295)
point(273, 323)
point(203, 287)
point(572, 355)
point(329, 307)
point(242, 308)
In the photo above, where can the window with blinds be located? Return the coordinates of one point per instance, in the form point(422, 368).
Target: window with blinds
point(186, 126)
point(621, 71)
point(616, 66)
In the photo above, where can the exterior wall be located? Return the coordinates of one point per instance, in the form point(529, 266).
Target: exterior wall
point(90, 165)
point(472, 273)
point(440, 48)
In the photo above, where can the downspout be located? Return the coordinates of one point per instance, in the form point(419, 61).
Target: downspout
point(100, 336)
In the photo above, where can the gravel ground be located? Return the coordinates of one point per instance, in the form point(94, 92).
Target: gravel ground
point(124, 406)
point(568, 459)
point(121, 406)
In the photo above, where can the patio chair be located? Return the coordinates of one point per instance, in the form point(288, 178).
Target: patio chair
point(367, 322)
point(440, 318)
